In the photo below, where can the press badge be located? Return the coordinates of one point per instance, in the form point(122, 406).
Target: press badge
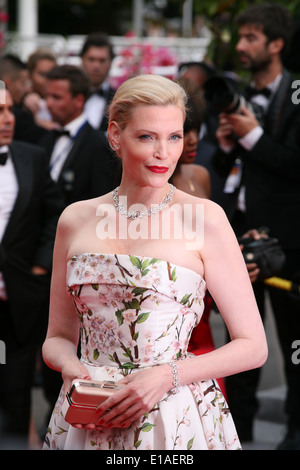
point(234, 178)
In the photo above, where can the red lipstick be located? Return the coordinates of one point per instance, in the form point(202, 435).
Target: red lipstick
point(158, 169)
point(192, 154)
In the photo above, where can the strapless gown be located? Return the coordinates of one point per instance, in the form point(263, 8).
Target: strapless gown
point(138, 312)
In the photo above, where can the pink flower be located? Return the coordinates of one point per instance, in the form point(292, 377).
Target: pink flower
point(148, 350)
point(130, 34)
point(129, 316)
point(142, 57)
point(4, 17)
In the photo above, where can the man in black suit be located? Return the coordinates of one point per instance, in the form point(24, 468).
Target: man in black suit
point(80, 159)
point(97, 55)
point(262, 160)
point(30, 207)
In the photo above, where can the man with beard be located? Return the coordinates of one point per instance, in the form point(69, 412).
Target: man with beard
point(262, 161)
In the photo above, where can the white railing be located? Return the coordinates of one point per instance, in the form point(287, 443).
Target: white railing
point(22, 46)
point(67, 48)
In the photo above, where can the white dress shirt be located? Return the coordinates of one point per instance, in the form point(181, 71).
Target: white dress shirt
point(63, 146)
point(248, 141)
point(8, 195)
point(95, 107)
point(43, 113)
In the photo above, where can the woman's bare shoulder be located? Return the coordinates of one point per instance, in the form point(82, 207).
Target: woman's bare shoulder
point(214, 216)
point(80, 211)
point(199, 170)
point(193, 169)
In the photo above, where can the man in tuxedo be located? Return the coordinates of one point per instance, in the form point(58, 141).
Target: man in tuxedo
point(80, 159)
point(30, 207)
point(261, 157)
point(97, 55)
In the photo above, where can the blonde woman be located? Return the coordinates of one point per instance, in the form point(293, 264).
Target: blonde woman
point(138, 286)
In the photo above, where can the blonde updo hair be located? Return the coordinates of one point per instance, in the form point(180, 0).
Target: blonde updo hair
point(145, 90)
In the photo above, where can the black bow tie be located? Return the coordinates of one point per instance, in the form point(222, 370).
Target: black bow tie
point(3, 158)
point(61, 132)
point(251, 91)
point(99, 92)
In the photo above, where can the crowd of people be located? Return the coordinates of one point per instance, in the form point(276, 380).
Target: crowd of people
point(56, 157)
point(63, 133)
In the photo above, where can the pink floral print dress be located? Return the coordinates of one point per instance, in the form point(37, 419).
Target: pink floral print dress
point(138, 312)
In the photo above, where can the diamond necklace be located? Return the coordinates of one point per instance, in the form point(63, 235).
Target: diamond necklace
point(153, 210)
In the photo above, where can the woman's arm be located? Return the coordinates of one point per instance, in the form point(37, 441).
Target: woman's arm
point(228, 282)
point(60, 346)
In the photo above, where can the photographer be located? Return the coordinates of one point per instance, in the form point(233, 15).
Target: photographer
point(260, 157)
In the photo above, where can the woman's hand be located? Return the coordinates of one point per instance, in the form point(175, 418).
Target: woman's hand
point(32, 101)
point(75, 370)
point(139, 392)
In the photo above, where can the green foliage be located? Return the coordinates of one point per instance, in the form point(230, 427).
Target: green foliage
point(220, 17)
point(231, 7)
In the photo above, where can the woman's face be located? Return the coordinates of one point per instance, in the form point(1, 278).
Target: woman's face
point(38, 76)
point(189, 152)
point(151, 144)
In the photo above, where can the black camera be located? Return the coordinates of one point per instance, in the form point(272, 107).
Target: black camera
point(222, 94)
point(266, 253)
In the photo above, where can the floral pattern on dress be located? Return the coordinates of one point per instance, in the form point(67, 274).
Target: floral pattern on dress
point(138, 312)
